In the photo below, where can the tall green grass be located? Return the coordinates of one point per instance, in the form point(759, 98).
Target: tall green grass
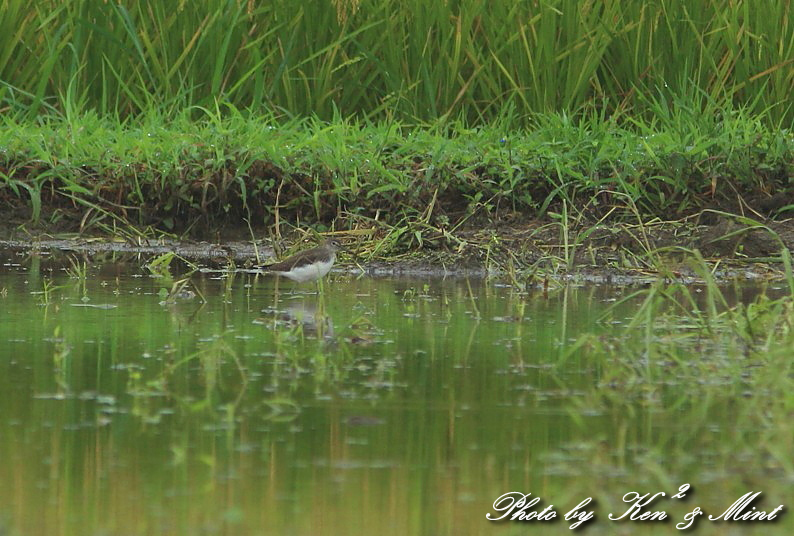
point(410, 60)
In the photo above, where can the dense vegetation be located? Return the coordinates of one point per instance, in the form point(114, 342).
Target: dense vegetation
point(382, 59)
point(237, 109)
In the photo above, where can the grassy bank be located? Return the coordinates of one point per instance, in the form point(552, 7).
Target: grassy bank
point(186, 118)
point(465, 59)
point(82, 170)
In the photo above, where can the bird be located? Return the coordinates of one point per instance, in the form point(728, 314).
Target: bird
point(308, 265)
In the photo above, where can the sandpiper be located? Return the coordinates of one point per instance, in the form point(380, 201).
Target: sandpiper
point(309, 265)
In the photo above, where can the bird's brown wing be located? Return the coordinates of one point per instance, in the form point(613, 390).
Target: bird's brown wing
point(283, 266)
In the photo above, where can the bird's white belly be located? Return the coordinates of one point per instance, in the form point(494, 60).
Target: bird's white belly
point(309, 272)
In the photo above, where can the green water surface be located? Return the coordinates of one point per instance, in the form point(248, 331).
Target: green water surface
point(375, 406)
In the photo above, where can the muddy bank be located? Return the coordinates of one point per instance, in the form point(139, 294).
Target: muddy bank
point(519, 251)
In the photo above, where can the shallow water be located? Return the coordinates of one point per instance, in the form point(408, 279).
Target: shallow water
point(248, 405)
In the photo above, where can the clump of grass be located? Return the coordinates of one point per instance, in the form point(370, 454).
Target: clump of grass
point(690, 352)
point(687, 333)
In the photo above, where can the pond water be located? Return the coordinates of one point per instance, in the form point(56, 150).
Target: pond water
point(249, 405)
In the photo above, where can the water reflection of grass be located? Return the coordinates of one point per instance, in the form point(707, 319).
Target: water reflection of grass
point(707, 387)
point(234, 415)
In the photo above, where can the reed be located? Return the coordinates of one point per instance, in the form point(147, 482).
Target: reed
point(468, 59)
